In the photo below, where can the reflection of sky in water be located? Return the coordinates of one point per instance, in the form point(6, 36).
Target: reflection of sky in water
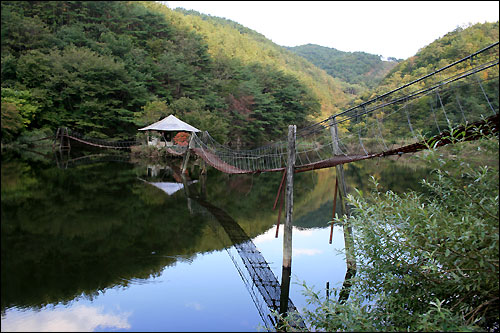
point(170, 187)
point(314, 260)
point(206, 294)
point(74, 319)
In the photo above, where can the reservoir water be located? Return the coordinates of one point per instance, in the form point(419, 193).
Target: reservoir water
point(94, 242)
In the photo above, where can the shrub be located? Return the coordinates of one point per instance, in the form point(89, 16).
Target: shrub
point(182, 139)
point(425, 261)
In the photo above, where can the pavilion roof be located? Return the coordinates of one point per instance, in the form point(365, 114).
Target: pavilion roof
point(170, 123)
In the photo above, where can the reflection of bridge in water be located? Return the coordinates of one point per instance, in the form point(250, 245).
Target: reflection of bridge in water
point(263, 286)
point(64, 161)
point(262, 277)
point(266, 292)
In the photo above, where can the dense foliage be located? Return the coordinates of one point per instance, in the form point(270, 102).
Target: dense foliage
point(97, 66)
point(453, 46)
point(362, 70)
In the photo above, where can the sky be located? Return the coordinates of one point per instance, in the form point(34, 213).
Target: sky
point(386, 28)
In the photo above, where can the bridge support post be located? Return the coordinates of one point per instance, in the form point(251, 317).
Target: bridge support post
point(186, 155)
point(62, 133)
point(65, 134)
point(339, 168)
point(203, 164)
point(287, 229)
point(55, 138)
point(345, 210)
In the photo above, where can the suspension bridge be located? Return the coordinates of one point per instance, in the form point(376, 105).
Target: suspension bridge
point(427, 111)
point(448, 104)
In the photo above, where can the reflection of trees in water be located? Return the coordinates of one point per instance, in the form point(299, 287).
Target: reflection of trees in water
point(72, 232)
point(397, 175)
point(77, 231)
point(314, 208)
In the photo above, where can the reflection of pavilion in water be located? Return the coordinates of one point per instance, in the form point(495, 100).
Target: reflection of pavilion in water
point(163, 172)
point(161, 176)
point(263, 286)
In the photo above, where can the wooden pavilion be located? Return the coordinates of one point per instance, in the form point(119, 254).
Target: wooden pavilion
point(167, 128)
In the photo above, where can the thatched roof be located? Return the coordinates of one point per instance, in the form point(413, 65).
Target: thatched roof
point(170, 123)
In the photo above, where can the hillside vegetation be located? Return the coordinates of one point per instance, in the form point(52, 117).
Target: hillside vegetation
point(464, 98)
point(107, 68)
point(453, 46)
point(363, 71)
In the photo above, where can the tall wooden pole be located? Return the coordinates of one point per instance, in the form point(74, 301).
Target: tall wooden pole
point(287, 229)
point(287, 237)
point(339, 168)
point(348, 240)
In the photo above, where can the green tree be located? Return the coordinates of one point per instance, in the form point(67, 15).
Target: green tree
point(12, 122)
point(152, 112)
point(24, 103)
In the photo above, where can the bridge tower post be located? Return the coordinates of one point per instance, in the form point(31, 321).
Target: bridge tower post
point(339, 168)
point(55, 138)
point(287, 229)
point(345, 210)
point(62, 134)
point(65, 135)
point(203, 164)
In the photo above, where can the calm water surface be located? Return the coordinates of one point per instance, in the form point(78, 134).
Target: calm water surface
point(98, 244)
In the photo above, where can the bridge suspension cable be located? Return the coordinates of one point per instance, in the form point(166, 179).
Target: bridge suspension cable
point(392, 123)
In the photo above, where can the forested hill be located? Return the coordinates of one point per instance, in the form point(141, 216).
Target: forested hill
point(107, 68)
point(453, 46)
point(229, 40)
point(464, 97)
point(361, 69)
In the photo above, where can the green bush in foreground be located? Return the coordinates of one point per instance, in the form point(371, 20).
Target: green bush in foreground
point(425, 261)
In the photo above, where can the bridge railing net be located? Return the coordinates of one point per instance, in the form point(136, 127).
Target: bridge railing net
point(101, 142)
point(263, 159)
point(458, 94)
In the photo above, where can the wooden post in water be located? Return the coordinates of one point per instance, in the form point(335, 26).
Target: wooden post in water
point(339, 168)
point(348, 238)
point(287, 237)
point(287, 228)
point(203, 164)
